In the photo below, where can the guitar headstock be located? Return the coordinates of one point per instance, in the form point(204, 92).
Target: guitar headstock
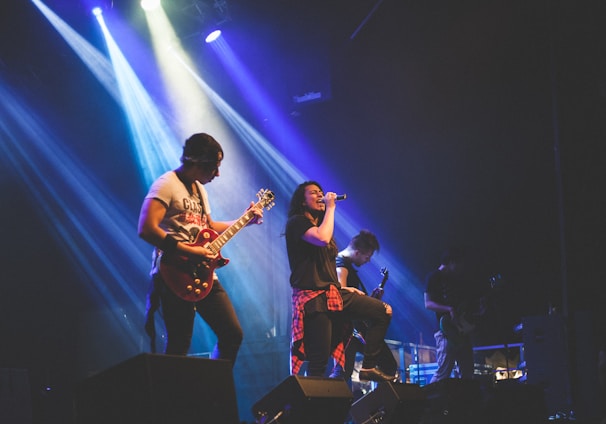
point(385, 272)
point(378, 292)
point(266, 199)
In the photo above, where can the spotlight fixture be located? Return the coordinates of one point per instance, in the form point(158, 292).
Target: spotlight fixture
point(213, 36)
point(97, 11)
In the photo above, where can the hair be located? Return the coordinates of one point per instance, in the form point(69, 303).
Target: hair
point(452, 254)
point(201, 148)
point(365, 241)
point(297, 201)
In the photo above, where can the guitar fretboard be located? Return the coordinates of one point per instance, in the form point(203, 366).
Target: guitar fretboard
point(266, 198)
point(231, 231)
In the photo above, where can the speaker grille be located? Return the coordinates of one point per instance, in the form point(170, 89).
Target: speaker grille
point(390, 403)
point(305, 400)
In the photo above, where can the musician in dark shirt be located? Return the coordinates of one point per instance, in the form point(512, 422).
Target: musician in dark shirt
point(358, 252)
point(449, 295)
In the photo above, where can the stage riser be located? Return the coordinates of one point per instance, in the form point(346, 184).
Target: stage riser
point(15, 396)
point(159, 389)
point(516, 404)
point(451, 401)
point(545, 354)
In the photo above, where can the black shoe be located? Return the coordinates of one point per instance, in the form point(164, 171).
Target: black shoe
point(374, 374)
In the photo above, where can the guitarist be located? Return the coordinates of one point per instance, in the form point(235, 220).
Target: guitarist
point(447, 294)
point(358, 252)
point(175, 210)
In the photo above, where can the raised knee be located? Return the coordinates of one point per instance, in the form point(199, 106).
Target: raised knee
point(239, 336)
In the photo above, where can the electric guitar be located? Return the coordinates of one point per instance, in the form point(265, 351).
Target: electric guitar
point(466, 315)
point(192, 280)
point(456, 328)
point(377, 293)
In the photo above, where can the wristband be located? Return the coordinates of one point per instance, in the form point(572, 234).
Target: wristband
point(169, 244)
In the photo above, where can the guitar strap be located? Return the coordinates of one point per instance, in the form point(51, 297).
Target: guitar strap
point(363, 287)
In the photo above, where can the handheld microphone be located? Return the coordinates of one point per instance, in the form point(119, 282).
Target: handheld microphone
point(339, 197)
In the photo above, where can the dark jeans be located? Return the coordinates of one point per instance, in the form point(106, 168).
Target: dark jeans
point(215, 309)
point(448, 355)
point(324, 330)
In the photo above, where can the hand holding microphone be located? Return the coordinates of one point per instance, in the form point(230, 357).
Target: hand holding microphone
point(337, 197)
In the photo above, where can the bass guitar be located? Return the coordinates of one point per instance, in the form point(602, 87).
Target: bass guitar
point(458, 328)
point(192, 280)
point(467, 314)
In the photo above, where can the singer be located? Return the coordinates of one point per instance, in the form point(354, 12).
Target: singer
point(323, 311)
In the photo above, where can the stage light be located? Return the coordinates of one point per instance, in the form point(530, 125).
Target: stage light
point(97, 11)
point(150, 4)
point(213, 36)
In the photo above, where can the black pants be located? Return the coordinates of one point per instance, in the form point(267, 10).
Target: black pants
point(385, 361)
point(215, 309)
point(323, 331)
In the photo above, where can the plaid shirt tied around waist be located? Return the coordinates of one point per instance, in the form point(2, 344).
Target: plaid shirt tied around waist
point(334, 303)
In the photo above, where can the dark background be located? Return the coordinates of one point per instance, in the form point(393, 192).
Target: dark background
point(479, 124)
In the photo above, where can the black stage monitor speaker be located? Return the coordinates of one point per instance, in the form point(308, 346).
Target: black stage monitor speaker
point(390, 403)
point(453, 401)
point(517, 403)
point(159, 389)
point(546, 359)
point(305, 400)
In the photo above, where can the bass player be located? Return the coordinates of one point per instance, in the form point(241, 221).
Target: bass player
point(450, 295)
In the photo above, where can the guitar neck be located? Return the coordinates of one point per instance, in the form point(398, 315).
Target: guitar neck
point(232, 230)
point(378, 292)
point(266, 198)
point(385, 274)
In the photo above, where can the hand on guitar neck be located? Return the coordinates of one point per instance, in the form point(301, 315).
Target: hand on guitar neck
point(458, 321)
point(463, 319)
point(378, 292)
